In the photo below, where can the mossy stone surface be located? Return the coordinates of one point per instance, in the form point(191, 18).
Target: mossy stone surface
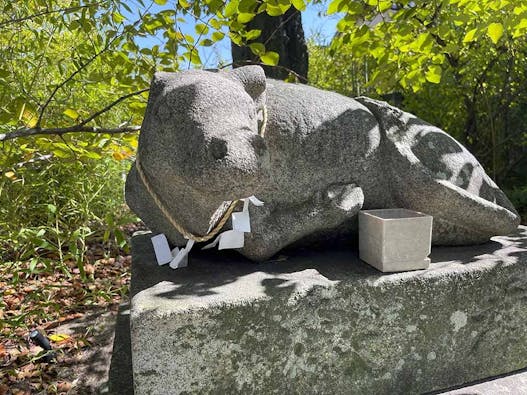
point(323, 322)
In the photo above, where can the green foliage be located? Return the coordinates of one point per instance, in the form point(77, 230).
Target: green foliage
point(49, 208)
point(62, 62)
point(339, 72)
point(458, 64)
point(215, 19)
point(78, 64)
point(423, 42)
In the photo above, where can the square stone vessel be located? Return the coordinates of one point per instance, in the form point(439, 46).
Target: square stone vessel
point(395, 240)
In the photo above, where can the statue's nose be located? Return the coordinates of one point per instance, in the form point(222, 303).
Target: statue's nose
point(218, 148)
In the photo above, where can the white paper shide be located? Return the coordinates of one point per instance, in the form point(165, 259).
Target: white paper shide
point(234, 238)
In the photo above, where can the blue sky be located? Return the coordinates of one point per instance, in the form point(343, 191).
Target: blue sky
point(316, 25)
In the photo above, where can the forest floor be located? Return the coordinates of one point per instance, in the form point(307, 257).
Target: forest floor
point(77, 316)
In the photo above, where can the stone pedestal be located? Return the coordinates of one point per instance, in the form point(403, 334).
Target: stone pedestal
point(324, 322)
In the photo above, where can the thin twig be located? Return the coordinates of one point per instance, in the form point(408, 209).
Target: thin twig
point(282, 23)
point(112, 104)
point(25, 18)
point(82, 67)
point(72, 75)
point(26, 132)
point(67, 145)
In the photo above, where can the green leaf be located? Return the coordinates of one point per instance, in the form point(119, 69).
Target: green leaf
point(495, 32)
point(433, 74)
point(469, 37)
point(117, 18)
point(270, 58)
point(215, 24)
point(217, 36)
point(206, 42)
point(236, 39)
point(244, 17)
point(276, 10)
point(299, 4)
point(214, 5)
point(92, 155)
point(519, 10)
point(71, 113)
point(231, 8)
point(160, 2)
point(257, 48)
point(246, 6)
point(334, 6)
point(253, 34)
point(33, 264)
point(201, 29)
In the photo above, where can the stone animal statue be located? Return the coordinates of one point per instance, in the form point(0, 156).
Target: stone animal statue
point(315, 158)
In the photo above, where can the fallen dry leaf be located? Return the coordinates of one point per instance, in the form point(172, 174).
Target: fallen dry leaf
point(58, 337)
point(3, 351)
point(89, 269)
point(45, 299)
point(63, 386)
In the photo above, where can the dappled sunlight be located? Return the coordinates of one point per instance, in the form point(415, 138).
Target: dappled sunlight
point(227, 278)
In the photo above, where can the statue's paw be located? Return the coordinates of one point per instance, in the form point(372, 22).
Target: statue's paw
point(347, 198)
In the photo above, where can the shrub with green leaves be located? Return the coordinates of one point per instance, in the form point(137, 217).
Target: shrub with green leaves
point(50, 207)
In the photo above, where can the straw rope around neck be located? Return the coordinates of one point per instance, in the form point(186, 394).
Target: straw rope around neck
point(263, 126)
point(213, 232)
point(188, 235)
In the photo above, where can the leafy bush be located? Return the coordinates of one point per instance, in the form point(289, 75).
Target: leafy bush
point(50, 207)
point(518, 197)
point(457, 65)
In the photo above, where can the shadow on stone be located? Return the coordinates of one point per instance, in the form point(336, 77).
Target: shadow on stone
point(90, 368)
point(120, 378)
point(211, 269)
point(318, 321)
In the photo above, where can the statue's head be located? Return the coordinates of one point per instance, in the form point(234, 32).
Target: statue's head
point(203, 128)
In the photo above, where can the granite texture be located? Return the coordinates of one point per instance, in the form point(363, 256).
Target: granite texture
point(321, 158)
point(514, 384)
point(321, 321)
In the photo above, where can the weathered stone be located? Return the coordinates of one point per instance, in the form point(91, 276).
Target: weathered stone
point(320, 159)
point(324, 322)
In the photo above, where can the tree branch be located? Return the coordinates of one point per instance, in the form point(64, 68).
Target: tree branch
point(26, 132)
point(71, 76)
point(46, 12)
point(112, 104)
point(82, 67)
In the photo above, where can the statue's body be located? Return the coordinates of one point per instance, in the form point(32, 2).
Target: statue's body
point(319, 159)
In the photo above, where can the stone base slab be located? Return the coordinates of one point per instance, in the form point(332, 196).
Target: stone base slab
point(323, 322)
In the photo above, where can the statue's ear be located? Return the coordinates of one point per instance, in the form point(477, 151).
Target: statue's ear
point(252, 79)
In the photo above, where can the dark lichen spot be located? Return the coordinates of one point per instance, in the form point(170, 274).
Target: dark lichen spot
point(299, 349)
